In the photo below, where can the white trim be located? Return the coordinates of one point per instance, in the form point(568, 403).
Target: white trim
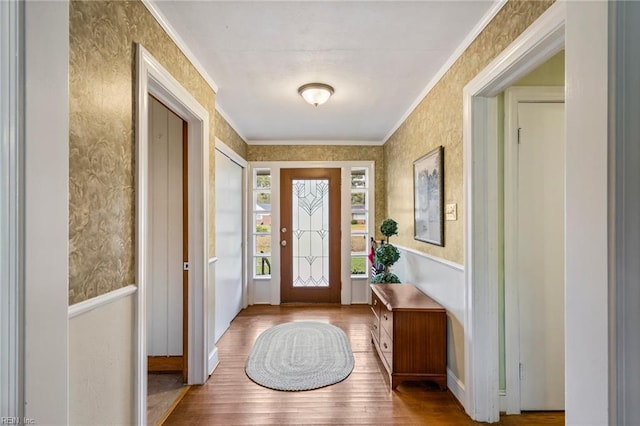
point(213, 361)
point(173, 35)
point(445, 262)
point(11, 211)
point(233, 156)
point(586, 217)
point(230, 121)
point(491, 13)
point(289, 142)
point(536, 44)
point(512, 97)
point(99, 301)
point(46, 211)
point(153, 78)
point(502, 396)
point(456, 386)
point(212, 260)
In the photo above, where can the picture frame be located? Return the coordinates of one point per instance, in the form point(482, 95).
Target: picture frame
point(428, 197)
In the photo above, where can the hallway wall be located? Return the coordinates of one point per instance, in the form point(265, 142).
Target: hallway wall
point(102, 213)
point(102, 38)
point(437, 120)
point(226, 133)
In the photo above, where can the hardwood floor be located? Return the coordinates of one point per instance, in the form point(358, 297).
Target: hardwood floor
point(230, 398)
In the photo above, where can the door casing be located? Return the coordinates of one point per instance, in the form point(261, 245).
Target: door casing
point(154, 79)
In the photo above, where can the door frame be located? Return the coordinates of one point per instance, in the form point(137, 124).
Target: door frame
point(331, 174)
point(539, 42)
point(513, 96)
point(12, 191)
point(275, 167)
point(154, 79)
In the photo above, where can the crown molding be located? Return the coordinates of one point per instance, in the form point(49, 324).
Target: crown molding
point(491, 13)
point(182, 45)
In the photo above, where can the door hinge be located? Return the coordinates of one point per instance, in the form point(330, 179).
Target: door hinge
point(185, 266)
point(521, 371)
point(519, 128)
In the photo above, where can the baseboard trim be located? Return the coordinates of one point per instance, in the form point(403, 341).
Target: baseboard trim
point(445, 262)
point(502, 396)
point(213, 361)
point(99, 301)
point(456, 387)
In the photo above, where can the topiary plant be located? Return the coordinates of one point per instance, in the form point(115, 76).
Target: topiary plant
point(389, 228)
point(386, 278)
point(387, 254)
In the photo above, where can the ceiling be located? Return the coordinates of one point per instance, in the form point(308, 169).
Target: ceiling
point(379, 56)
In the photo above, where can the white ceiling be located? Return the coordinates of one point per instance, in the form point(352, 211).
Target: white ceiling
point(379, 56)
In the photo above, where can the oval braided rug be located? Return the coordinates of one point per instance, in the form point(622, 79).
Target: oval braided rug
point(299, 356)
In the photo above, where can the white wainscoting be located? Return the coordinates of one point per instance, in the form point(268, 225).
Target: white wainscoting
point(101, 359)
point(212, 350)
point(360, 293)
point(443, 281)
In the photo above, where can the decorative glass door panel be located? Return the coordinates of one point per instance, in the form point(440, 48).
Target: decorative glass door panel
point(310, 235)
point(310, 228)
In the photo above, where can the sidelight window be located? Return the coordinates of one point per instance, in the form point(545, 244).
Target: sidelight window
point(359, 222)
point(261, 223)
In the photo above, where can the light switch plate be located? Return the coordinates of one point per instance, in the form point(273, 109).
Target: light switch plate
point(451, 212)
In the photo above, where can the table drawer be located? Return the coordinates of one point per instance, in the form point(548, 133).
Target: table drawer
point(375, 328)
point(386, 347)
point(386, 320)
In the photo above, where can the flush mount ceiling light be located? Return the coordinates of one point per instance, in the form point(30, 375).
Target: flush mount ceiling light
point(316, 93)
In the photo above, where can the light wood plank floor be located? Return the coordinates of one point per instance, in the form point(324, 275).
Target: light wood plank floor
point(364, 398)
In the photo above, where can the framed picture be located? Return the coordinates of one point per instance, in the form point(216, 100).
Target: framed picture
point(428, 197)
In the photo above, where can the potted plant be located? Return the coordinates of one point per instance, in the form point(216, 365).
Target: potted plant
point(387, 254)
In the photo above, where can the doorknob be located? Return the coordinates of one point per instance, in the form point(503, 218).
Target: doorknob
point(283, 243)
point(283, 230)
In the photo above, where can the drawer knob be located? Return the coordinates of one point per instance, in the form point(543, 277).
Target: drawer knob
point(375, 302)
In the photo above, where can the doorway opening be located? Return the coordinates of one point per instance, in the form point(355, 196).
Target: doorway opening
point(168, 290)
point(155, 80)
point(542, 40)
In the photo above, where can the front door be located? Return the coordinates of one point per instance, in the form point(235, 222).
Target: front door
point(310, 235)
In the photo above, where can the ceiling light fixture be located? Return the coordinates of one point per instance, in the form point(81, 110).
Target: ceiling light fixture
point(316, 93)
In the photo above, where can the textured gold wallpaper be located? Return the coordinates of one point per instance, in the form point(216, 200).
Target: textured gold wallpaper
point(438, 121)
point(102, 38)
point(228, 135)
point(329, 153)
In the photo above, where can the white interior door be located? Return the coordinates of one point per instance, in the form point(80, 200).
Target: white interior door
point(228, 284)
point(165, 290)
point(540, 255)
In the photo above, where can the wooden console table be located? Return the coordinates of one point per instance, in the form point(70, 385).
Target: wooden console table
point(409, 332)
